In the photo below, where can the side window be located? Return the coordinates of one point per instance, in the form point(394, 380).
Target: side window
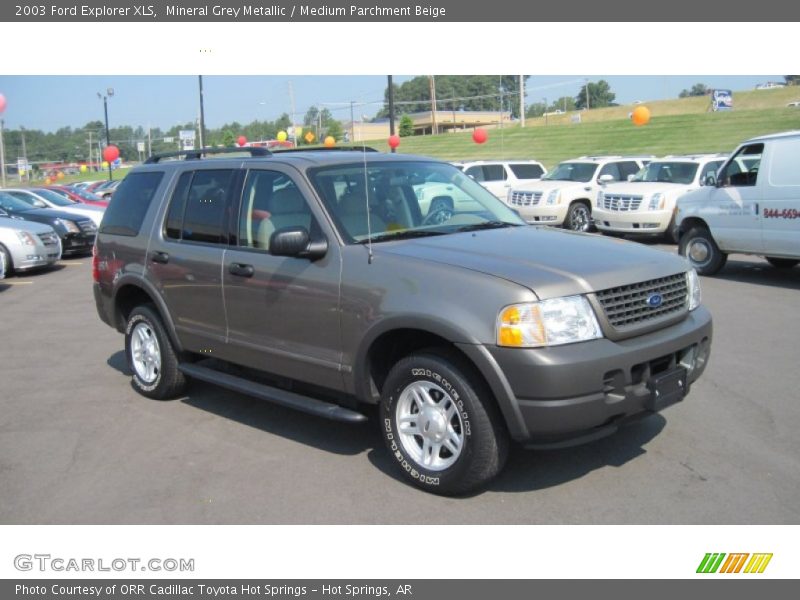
point(709, 167)
point(494, 173)
point(270, 201)
point(526, 171)
point(742, 169)
point(626, 168)
point(206, 201)
point(125, 215)
point(610, 169)
point(177, 206)
point(476, 173)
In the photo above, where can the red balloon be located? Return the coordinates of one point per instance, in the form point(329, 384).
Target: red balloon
point(242, 140)
point(479, 136)
point(110, 153)
point(394, 141)
point(2, 103)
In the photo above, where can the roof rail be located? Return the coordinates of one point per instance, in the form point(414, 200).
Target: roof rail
point(324, 149)
point(200, 152)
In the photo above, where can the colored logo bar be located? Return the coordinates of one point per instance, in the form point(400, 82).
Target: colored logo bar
point(737, 562)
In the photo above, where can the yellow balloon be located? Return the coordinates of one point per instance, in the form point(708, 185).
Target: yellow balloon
point(282, 136)
point(60, 175)
point(22, 173)
point(84, 168)
point(330, 142)
point(104, 164)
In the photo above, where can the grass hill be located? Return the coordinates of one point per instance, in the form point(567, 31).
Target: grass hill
point(678, 126)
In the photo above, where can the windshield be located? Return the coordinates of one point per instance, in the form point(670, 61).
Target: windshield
point(54, 198)
point(668, 172)
point(11, 205)
point(406, 199)
point(572, 171)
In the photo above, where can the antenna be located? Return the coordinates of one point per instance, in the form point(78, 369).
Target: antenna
point(366, 190)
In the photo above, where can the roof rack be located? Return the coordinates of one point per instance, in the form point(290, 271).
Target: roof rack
point(324, 149)
point(200, 152)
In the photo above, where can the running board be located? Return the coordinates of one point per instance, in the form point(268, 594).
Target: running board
point(306, 404)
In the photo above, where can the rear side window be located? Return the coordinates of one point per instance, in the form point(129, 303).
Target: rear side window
point(494, 173)
point(125, 213)
point(525, 171)
point(199, 206)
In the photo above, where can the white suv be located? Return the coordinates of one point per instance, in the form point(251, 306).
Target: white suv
point(647, 203)
point(498, 176)
point(564, 196)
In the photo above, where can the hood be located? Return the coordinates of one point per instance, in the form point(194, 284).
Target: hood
point(22, 225)
point(645, 188)
point(95, 213)
point(46, 215)
point(549, 262)
point(545, 185)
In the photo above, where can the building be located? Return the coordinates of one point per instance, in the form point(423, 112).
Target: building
point(443, 121)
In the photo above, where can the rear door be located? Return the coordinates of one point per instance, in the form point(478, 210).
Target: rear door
point(780, 215)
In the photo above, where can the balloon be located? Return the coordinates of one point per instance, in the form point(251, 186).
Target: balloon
point(104, 164)
point(47, 181)
point(330, 142)
point(640, 116)
point(110, 153)
point(309, 137)
point(84, 168)
point(282, 136)
point(394, 141)
point(60, 175)
point(241, 140)
point(22, 173)
point(3, 103)
point(479, 136)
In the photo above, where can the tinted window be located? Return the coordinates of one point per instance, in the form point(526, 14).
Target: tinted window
point(524, 171)
point(204, 216)
point(126, 212)
point(627, 168)
point(569, 171)
point(611, 169)
point(494, 173)
point(177, 206)
point(742, 170)
point(476, 173)
point(270, 201)
point(709, 167)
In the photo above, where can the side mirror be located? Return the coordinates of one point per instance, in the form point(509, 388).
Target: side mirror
point(710, 179)
point(631, 177)
point(604, 179)
point(296, 242)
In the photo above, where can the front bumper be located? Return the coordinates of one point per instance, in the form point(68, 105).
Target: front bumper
point(76, 243)
point(568, 394)
point(651, 221)
point(35, 257)
point(542, 214)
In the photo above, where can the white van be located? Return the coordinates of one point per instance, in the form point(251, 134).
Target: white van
point(750, 206)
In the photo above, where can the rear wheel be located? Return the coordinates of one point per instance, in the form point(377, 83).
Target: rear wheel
point(440, 424)
point(699, 247)
point(6, 266)
point(579, 217)
point(151, 356)
point(782, 263)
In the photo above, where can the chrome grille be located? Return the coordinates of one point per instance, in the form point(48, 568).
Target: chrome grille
point(87, 226)
point(525, 198)
point(628, 306)
point(621, 203)
point(49, 239)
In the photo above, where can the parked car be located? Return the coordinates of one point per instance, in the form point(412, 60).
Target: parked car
point(466, 332)
point(78, 195)
point(26, 245)
point(498, 176)
point(76, 232)
point(44, 198)
point(564, 196)
point(646, 205)
point(751, 205)
point(106, 189)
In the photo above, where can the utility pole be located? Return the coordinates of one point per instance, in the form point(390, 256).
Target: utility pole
point(501, 104)
point(2, 153)
point(352, 124)
point(587, 94)
point(202, 115)
point(24, 155)
point(391, 109)
point(545, 112)
point(434, 128)
point(149, 142)
point(522, 101)
point(294, 127)
point(109, 92)
point(90, 148)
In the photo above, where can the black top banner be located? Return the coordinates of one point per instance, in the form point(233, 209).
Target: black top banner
point(424, 11)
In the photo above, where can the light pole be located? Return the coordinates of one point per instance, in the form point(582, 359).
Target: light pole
point(545, 111)
point(109, 92)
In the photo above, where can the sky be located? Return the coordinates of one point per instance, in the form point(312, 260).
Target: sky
point(50, 102)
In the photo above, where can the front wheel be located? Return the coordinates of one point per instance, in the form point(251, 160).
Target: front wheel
point(699, 247)
point(6, 266)
point(151, 356)
point(440, 424)
point(782, 263)
point(579, 217)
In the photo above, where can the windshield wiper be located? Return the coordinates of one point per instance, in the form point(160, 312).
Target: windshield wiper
point(488, 225)
point(403, 234)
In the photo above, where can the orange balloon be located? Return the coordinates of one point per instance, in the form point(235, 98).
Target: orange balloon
point(47, 181)
point(330, 142)
point(60, 175)
point(640, 116)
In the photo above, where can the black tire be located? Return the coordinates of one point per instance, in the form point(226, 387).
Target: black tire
point(167, 381)
point(671, 235)
point(579, 217)
point(483, 446)
point(5, 257)
point(699, 247)
point(782, 263)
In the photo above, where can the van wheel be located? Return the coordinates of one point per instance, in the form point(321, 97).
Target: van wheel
point(151, 357)
point(699, 247)
point(782, 263)
point(579, 217)
point(440, 424)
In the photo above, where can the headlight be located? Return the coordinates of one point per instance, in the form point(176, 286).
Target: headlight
point(68, 225)
point(553, 197)
point(693, 288)
point(547, 323)
point(656, 202)
point(26, 238)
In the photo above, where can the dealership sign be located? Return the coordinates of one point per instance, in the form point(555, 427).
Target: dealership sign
point(721, 100)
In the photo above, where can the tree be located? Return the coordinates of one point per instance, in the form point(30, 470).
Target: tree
point(698, 89)
point(228, 138)
point(565, 103)
point(406, 126)
point(537, 109)
point(792, 79)
point(335, 130)
point(600, 95)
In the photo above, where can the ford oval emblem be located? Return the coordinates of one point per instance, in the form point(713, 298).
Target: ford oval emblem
point(655, 300)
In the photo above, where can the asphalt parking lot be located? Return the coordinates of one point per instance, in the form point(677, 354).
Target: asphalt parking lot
point(79, 446)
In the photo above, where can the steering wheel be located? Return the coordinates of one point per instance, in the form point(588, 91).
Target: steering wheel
point(438, 215)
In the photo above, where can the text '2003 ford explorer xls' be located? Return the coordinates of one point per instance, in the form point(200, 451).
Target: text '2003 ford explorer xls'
point(313, 279)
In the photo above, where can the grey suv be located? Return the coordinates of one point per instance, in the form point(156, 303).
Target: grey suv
point(314, 280)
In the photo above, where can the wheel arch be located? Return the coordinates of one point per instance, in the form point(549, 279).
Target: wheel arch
point(131, 292)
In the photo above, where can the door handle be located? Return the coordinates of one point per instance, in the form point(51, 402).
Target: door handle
point(241, 270)
point(160, 257)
